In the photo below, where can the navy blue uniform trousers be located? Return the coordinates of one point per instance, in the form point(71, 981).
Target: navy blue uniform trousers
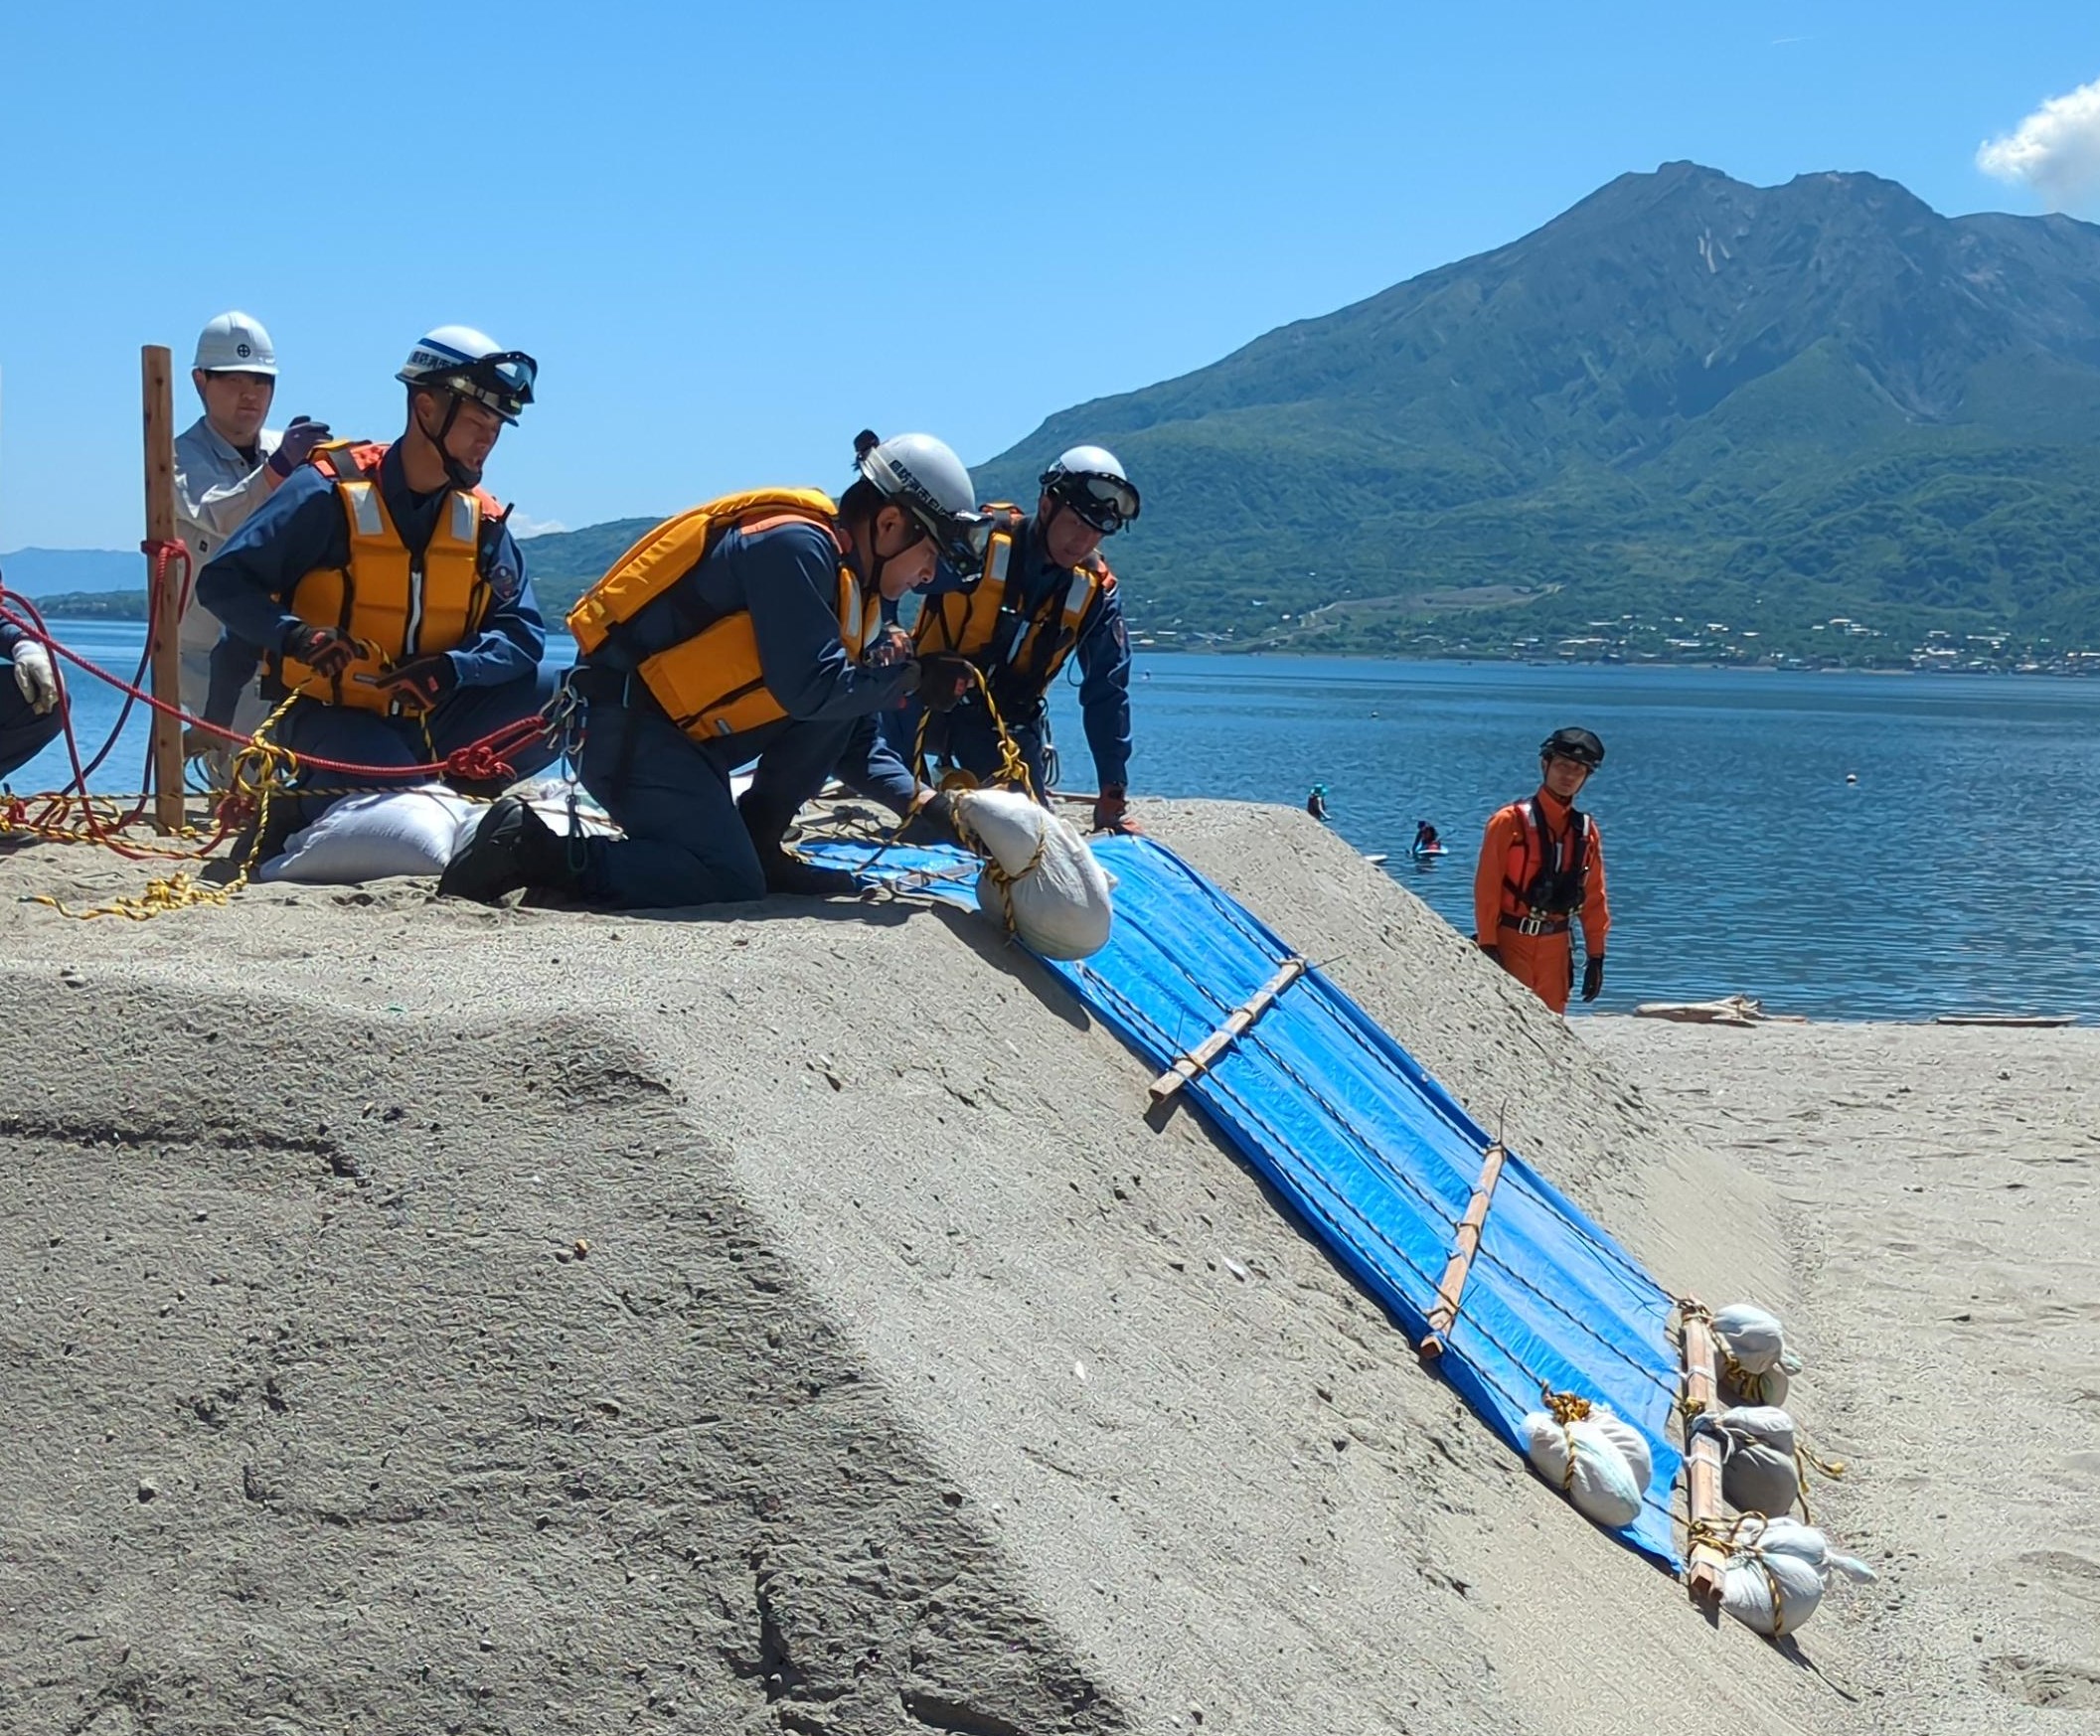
point(464, 716)
point(686, 842)
point(23, 734)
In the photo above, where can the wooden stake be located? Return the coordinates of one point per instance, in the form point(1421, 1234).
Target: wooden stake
point(156, 367)
point(1702, 1501)
point(1204, 1055)
point(1470, 1228)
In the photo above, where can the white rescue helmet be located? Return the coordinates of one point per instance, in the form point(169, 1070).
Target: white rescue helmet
point(1092, 482)
point(236, 342)
point(924, 477)
point(467, 364)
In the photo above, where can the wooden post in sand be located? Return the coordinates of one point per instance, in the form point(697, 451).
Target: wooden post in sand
point(1702, 1501)
point(1206, 1052)
point(1469, 1229)
point(164, 582)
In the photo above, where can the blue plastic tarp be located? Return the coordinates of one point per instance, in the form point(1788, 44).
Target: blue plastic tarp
point(1375, 1156)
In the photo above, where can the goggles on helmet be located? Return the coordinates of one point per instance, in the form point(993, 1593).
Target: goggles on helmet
point(503, 381)
point(1108, 503)
point(1578, 746)
point(960, 539)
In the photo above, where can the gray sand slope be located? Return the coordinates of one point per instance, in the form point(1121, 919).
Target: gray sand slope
point(424, 1318)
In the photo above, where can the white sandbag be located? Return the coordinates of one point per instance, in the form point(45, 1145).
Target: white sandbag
point(1058, 893)
point(1736, 1381)
point(1773, 1593)
point(1764, 1424)
point(1792, 1537)
point(410, 831)
point(1756, 1479)
point(1585, 1462)
point(1754, 1339)
point(1632, 1444)
point(1758, 1473)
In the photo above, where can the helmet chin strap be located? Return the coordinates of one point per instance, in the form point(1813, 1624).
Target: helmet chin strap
point(875, 557)
point(459, 473)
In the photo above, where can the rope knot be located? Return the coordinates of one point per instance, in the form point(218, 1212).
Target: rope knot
point(478, 762)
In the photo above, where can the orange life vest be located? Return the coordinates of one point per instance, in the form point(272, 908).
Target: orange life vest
point(713, 684)
point(1545, 877)
point(395, 605)
point(978, 623)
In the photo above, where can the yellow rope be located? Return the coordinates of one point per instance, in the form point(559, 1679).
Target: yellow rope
point(1013, 769)
point(1568, 1409)
point(257, 771)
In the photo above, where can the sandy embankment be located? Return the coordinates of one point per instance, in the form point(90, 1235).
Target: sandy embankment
point(426, 1318)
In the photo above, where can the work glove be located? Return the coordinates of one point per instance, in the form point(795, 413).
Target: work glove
point(297, 445)
point(892, 647)
point(1113, 812)
point(35, 676)
point(421, 684)
point(943, 679)
point(932, 822)
point(1593, 977)
point(326, 650)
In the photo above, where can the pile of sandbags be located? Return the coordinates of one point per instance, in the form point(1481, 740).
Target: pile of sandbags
point(1041, 882)
point(1777, 1567)
point(1599, 1460)
point(1777, 1571)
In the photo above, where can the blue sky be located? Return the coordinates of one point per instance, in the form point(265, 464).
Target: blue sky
point(734, 235)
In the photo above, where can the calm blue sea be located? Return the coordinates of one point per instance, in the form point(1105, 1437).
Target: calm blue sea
point(1961, 873)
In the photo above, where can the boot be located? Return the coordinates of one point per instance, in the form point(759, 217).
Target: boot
point(790, 875)
point(512, 848)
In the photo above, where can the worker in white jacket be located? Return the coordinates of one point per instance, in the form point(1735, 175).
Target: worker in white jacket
point(226, 465)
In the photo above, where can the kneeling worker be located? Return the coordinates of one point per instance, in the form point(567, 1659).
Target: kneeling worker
point(1042, 593)
point(31, 700)
point(1542, 862)
point(748, 628)
point(382, 586)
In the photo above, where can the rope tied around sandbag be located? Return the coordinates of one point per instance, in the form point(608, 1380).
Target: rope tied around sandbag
point(1568, 1409)
point(1013, 770)
point(1729, 1540)
point(1752, 1386)
point(1004, 881)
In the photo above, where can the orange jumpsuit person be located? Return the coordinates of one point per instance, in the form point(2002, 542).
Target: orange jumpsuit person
point(1541, 866)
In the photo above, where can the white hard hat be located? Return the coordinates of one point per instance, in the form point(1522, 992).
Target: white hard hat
point(467, 363)
point(236, 342)
point(924, 476)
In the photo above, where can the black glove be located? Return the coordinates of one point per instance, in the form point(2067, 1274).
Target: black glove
point(421, 684)
point(324, 650)
point(932, 822)
point(1491, 952)
point(1593, 977)
point(297, 445)
point(943, 679)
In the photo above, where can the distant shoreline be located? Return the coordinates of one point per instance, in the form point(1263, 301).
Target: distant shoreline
point(129, 607)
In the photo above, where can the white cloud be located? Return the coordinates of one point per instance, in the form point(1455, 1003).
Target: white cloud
point(525, 525)
point(2055, 151)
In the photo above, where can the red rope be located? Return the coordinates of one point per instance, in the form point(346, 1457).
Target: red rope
point(477, 761)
